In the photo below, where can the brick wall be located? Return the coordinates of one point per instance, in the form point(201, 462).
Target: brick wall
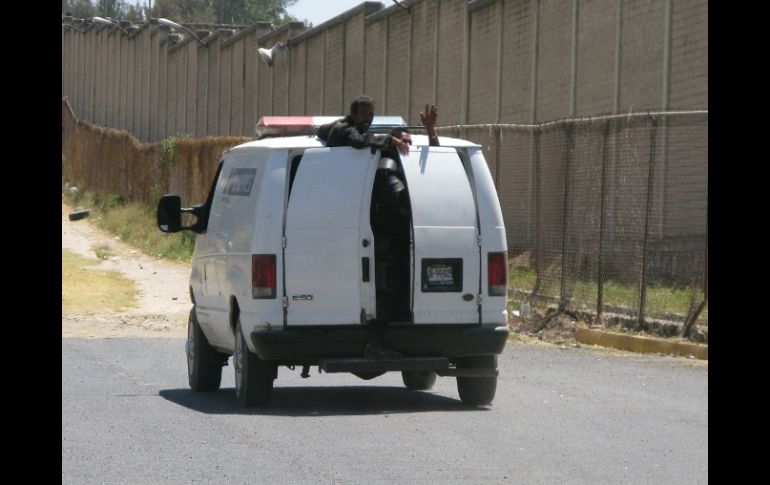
point(376, 35)
point(298, 79)
point(397, 66)
point(641, 73)
point(689, 54)
point(422, 59)
point(316, 47)
point(450, 52)
point(518, 62)
point(225, 88)
point(554, 59)
point(596, 49)
point(353, 61)
point(212, 100)
point(485, 30)
point(332, 72)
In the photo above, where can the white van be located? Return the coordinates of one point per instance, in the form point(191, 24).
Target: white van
point(347, 260)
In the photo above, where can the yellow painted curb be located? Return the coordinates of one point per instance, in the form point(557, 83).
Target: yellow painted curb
point(635, 343)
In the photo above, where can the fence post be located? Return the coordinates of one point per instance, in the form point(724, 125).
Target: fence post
point(693, 317)
point(599, 320)
point(569, 129)
point(538, 226)
point(648, 209)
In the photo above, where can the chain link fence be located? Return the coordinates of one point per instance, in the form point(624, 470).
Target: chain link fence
point(606, 217)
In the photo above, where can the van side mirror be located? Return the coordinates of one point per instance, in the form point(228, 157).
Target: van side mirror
point(170, 213)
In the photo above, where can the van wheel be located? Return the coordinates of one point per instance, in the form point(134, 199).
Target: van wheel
point(253, 376)
point(418, 380)
point(204, 363)
point(477, 391)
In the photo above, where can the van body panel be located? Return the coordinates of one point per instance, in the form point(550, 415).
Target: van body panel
point(258, 314)
point(493, 239)
point(204, 284)
point(230, 233)
point(327, 220)
point(444, 229)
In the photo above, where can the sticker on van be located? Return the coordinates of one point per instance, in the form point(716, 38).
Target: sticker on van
point(240, 181)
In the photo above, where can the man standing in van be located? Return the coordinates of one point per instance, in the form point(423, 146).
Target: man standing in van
point(351, 130)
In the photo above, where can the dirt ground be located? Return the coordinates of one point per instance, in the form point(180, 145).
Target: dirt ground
point(163, 295)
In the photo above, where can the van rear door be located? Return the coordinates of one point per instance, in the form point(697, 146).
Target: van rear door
point(329, 242)
point(446, 258)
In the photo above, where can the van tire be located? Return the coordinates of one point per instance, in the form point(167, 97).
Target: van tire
point(204, 363)
point(253, 376)
point(477, 391)
point(418, 380)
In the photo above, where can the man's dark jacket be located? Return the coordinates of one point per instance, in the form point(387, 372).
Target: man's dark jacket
point(344, 132)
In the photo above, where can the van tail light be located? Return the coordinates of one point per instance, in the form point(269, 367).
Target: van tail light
point(263, 275)
point(498, 274)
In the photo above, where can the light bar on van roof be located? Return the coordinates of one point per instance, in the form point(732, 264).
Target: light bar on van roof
point(306, 125)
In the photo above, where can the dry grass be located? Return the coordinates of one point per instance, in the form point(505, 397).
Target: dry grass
point(87, 290)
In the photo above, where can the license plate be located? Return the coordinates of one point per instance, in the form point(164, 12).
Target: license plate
point(442, 274)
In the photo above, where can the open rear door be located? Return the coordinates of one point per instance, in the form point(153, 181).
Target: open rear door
point(446, 249)
point(329, 243)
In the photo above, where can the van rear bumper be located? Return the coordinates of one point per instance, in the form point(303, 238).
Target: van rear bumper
point(312, 344)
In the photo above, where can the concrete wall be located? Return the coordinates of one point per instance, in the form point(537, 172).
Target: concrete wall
point(689, 54)
point(450, 54)
point(484, 61)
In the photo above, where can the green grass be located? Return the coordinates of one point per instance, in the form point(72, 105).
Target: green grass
point(661, 300)
point(522, 279)
point(136, 225)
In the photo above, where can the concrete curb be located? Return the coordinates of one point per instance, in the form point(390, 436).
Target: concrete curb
point(636, 343)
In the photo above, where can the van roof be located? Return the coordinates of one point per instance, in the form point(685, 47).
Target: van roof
point(305, 141)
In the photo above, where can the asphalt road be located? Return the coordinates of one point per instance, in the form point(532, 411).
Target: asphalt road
point(574, 415)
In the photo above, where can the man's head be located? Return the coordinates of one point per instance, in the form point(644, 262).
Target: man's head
point(362, 112)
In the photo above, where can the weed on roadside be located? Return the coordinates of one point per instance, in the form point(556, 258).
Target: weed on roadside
point(103, 251)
